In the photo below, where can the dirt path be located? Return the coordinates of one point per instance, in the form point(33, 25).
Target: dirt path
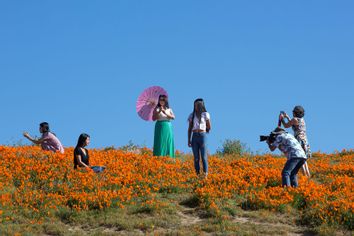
point(191, 216)
point(188, 216)
point(293, 230)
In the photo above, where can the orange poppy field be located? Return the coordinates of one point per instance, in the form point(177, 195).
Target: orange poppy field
point(38, 189)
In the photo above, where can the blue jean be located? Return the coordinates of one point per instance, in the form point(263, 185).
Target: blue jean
point(98, 169)
point(290, 170)
point(199, 148)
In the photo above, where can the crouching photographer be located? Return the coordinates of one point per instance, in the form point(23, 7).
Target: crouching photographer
point(296, 156)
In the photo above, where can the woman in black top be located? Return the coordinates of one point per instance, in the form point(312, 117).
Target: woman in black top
point(81, 155)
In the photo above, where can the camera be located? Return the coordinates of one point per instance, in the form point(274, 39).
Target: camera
point(270, 138)
point(263, 138)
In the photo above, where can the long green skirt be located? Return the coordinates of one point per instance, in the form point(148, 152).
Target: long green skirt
point(164, 144)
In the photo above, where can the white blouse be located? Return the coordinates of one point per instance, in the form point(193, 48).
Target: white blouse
point(162, 116)
point(199, 124)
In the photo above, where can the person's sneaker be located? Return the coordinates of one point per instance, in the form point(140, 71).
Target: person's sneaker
point(203, 176)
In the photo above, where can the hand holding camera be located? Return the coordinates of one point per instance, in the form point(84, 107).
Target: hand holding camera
point(269, 139)
point(281, 117)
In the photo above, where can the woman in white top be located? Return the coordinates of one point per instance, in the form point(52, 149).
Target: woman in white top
point(163, 139)
point(199, 125)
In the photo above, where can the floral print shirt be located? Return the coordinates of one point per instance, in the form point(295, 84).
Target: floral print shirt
point(301, 136)
point(288, 144)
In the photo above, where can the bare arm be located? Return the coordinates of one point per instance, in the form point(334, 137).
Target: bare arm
point(155, 114)
point(271, 147)
point(169, 115)
point(289, 123)
point(172, 116)
point(79, 161)
point(190, 127)
point(208, 126)
point(33, 140)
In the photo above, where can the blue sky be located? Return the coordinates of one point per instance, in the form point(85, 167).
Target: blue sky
point(80, 65)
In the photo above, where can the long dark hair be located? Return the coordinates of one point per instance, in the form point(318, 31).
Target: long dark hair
point(199, 103)
point(166, 101)
point(80, 144)
point(82, 139)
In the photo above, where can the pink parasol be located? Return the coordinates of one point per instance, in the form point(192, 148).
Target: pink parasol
point(147, 102)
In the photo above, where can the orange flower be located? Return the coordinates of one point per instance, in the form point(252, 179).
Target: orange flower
point(42, 182)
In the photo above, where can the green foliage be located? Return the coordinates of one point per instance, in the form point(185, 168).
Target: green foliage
point(130, 147)
point(109, 148)
point(233, 147)
point(170, 189)
point(191, 202)
point(299, 202)
point(66, 215)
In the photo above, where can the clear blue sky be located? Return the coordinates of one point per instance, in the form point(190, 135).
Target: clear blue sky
point(80, 65)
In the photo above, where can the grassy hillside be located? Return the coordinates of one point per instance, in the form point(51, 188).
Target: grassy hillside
point(138, 194)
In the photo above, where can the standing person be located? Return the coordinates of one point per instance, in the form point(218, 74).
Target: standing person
point(81, 154)
point(199, 126)
point(163, 139)
point(299, 127)
point(296, 156)
point(48, 141)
